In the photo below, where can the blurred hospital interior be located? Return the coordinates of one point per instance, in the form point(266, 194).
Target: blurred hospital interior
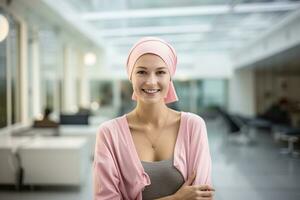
point(63, 73)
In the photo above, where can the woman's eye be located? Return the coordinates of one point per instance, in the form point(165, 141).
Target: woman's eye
point(161, 72)
point(141, 72)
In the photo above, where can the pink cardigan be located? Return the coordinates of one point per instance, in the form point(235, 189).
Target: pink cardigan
point(118, 172)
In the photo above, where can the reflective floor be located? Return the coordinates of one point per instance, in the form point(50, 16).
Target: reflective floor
point(257, 171)
point(240, 172)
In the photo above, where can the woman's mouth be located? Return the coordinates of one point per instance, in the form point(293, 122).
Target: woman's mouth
point(151, 91)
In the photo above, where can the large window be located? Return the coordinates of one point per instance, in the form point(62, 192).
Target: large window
point(3, 85)
point(50, 57)
point(214, 92)
point(10, 99)
point(198, 95)
point(30, 42)
point(127, 103)
point(14, 67)
point(102, 92)
point(194, 95)
point(183, 92)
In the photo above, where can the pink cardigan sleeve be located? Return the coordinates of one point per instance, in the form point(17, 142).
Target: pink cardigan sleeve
point(105, 175)
point(200, 155)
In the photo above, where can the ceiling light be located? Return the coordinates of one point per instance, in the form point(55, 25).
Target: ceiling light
point(90, 59)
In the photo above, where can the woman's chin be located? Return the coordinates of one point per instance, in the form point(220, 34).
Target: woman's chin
point(152, 100)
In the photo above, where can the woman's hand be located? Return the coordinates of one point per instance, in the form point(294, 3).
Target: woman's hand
point(193, 192)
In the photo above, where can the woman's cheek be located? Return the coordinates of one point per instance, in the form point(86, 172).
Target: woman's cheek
point(137, 89)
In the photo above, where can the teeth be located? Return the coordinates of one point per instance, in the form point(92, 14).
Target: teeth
point(151, 91)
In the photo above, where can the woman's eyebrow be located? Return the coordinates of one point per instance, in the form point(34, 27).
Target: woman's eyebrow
point(141, 67)
point(162, 68)
point(146, 67)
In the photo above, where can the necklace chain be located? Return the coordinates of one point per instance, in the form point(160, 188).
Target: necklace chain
point(153, 144)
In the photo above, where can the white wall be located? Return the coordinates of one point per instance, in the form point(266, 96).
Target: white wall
point(281, 37)
point(269, 88)
point(246, 91)
point(69, 80)
point(241, 92)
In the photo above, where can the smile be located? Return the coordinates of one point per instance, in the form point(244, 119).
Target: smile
point(151, 91)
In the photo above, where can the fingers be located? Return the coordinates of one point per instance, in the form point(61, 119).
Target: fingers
point(190, 180)
point(206, 194)
point(205, 191)
point(205, 188)
point(206, 198)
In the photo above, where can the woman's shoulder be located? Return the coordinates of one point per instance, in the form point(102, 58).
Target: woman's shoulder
point(195, 125)
point(193, 119)
point(111, 125)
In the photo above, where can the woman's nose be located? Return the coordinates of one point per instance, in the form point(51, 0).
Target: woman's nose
point(151, 79)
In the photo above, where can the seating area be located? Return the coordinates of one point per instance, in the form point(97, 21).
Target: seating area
point(46, 161)
point(245, 127)
point(49, 156)
point(74, 119)
point(288, 134)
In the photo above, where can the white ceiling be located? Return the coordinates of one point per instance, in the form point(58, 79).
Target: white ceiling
point(192, 26)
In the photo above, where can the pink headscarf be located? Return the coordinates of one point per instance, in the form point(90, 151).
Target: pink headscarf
point(160, 48)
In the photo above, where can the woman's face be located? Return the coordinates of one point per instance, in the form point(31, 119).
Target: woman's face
point(150, 79)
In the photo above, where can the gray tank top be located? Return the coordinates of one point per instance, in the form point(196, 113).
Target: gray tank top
point(165, 179)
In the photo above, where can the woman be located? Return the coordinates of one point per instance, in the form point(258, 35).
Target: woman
point(153, 152)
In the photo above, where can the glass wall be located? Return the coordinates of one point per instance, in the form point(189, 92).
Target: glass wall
point(183, 92)
point(30, 41)
point(214, 93)
point(10, 75)
point(14, 67)
point(102, 92)
point(200, 95)
point(3, 84)
point(127, 103)
point(194, 95)
point(50, 59)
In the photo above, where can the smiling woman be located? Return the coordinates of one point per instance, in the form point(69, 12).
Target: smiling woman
point(150, 82)
point(152, 152)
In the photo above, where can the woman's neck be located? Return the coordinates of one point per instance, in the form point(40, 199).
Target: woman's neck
point(153, 114)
